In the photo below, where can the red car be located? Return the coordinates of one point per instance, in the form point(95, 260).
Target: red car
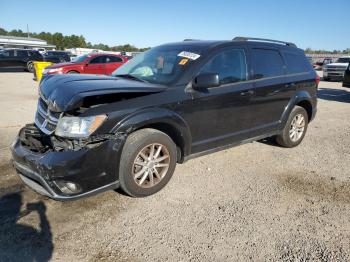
point(103, 64)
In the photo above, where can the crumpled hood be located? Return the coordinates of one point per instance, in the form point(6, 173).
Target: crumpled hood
point(66, 92)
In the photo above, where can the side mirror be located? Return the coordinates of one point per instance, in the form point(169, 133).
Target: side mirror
point(206, 80)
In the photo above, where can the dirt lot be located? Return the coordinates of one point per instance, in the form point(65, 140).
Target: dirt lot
point(253, 202)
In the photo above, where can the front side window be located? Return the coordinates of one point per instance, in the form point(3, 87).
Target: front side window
point(113, 59)
point(266, 63)
point(230, 65)
point(98, 60)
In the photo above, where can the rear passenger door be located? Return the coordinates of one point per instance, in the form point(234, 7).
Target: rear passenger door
point(272, 93)
point(21, 58)
point(112, 63)
point(97, 65)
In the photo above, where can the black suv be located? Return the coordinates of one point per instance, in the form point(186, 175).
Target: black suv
point(167, 105)
point(57, 56)
point(19, 58)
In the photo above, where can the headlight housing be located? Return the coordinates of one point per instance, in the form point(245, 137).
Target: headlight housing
point(52, 70)
point(78, 127)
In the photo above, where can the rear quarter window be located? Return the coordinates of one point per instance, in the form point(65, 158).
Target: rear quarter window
point(296, 63)
point(267, 63)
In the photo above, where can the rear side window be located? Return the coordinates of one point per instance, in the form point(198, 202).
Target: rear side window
point(296, 63)
point(22, 53)
point(266, 63)
point(7, 53)
point(230, 65)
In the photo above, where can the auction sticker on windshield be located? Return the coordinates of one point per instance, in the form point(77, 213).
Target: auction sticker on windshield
point(189, 55)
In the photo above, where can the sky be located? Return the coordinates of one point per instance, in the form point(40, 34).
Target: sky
point(321, 24)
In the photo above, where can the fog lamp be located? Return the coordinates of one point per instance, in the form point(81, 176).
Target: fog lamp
point(68, 187)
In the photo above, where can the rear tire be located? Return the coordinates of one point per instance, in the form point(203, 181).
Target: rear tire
point(30, 67)
point(295, 128)
point(326, 79)
point(147, 162)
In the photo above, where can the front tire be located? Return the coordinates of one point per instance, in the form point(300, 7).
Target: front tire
point(73, 72)
point(295, 128)
point(147, 162)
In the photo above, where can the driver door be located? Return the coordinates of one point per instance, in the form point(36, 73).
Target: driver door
point(221, 115)
point(96, 65)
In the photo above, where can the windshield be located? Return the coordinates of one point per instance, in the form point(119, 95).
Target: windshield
point(80, 59)
point(159, 65)
point(343, 60)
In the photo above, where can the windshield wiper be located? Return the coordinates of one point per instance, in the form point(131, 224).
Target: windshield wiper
point(131, 77)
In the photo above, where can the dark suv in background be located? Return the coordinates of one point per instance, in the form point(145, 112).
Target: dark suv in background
point(167, 105)
point(19, 58)
point(57, 56)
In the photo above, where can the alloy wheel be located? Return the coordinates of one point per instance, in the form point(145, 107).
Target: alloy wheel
point(297, 127)
point(151, 165)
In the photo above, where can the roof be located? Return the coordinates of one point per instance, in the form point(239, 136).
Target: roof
point(23, 41)
point(21, 38)
point(204, 45)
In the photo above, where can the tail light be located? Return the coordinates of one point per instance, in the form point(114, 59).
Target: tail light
point(317, 80)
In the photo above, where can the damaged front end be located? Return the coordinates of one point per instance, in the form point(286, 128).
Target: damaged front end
point(71, 151)
point(65, 169)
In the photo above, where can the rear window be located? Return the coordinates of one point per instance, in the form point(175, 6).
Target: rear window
point(296, 63)
point(267, 63)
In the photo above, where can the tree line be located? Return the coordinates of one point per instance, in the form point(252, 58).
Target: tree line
point(70, 41)
point(312, 51)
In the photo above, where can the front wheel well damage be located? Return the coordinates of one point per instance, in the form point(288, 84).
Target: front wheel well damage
point(173, 133)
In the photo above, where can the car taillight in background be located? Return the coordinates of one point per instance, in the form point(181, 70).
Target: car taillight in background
point(317, 80)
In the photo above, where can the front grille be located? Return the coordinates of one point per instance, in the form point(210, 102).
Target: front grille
point(336, 68)
point(45, 119)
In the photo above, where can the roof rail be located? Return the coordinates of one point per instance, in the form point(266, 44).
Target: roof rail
point(242, 38)
point(191, 40)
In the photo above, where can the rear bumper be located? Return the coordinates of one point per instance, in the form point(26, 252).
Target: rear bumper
point(93, 170)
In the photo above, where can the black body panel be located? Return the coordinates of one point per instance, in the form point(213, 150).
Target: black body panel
point(199, 121)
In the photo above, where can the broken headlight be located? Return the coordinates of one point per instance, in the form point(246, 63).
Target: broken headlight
point(78, 127)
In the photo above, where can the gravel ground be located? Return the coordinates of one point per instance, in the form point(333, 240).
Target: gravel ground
point(254, 202)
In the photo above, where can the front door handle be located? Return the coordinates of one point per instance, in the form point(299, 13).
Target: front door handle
point(247, 93)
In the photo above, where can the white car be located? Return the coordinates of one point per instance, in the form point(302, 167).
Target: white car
point(337, 69)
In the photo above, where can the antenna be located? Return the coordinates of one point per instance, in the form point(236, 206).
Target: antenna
point(27, 31)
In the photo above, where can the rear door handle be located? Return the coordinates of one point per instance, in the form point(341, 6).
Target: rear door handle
point(247, 93)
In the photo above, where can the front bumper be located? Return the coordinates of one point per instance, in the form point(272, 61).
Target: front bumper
point(93, 169)
point(333, 74)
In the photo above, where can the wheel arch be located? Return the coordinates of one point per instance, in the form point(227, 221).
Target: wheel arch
point(306, 104)
point(163, 120)
point(73, 70)
point(302, 99)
